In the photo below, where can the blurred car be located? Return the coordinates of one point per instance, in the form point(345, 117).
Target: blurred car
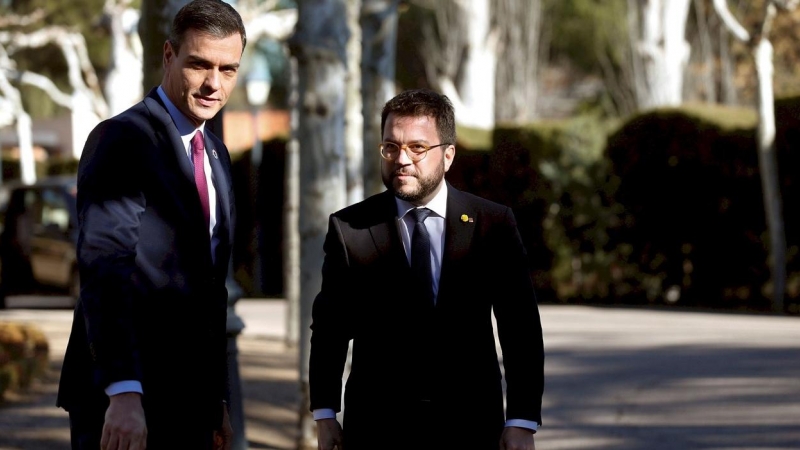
point(37, 241)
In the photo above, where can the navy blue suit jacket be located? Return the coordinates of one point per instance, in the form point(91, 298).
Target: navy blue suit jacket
point(153, 301)
point(406, 352)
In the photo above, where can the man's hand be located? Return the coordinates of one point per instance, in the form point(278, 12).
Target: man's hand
point(125, 427)
point(515, 438)
point(224, 436)
point(329, 435)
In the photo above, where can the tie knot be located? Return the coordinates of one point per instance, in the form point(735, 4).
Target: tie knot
point(197, 142)
point(419, 214)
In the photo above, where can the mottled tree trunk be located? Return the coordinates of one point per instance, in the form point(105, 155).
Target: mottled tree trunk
point(761, 49)
point(662, 51)
point(320, 46)
point(519, 24)
point(125, 68)
point(460, 58)
point(291, 211)
point(354, 121)
point(378, 54)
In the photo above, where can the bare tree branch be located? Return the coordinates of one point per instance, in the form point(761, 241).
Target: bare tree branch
point(14, 20)
point(45, 84)
point(81, 73)
point(277, 25)
point(721, 6)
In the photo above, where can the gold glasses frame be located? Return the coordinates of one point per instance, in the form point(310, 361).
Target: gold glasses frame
point(416, 151)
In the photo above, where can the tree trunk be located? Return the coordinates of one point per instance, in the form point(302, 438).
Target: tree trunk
point(27, 162)
point(378, 54)
point(10, 96)
point(354, 121)
point(125, 69)
point(519, 25)
point(767, 158)
point(663, 51)
point(291, 210)
point(460, 58)
point(154, 28)
point(320, 46)
point(472, 91)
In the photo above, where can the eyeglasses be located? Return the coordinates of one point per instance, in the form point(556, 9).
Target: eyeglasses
point(416, 151)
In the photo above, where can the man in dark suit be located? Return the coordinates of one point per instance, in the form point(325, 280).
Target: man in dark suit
point(146, 360)
point(412, 276)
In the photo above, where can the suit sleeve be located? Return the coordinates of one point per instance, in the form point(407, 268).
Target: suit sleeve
point(110, 204)
point(518, 325)
point(330, 330)
point(223, 343)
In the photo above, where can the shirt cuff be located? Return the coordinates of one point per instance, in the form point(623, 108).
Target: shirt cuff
point(324, 413)
point(529, 424)
point(120, 387)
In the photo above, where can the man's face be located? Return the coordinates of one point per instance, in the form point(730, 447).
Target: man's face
point(199, 78)
point(416, 182)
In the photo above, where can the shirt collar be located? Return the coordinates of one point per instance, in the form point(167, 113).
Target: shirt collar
point(182, 123)
point(438, 204)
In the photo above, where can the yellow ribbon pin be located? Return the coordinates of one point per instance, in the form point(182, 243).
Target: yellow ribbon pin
point(464, 218)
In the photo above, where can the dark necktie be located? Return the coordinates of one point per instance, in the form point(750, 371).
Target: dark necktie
point(198, 148)
point(421, 254)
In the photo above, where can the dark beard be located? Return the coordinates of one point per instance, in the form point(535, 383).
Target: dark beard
point(426, 185)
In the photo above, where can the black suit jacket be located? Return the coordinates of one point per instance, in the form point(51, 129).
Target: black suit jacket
point(153, 300)
point(405, 350)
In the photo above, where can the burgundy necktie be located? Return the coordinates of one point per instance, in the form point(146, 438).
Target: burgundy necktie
point(198, 149)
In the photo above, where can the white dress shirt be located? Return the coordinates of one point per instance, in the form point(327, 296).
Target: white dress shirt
point(187, 132)
point(435, 223)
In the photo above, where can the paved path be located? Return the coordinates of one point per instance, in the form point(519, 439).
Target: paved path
point(616, 379)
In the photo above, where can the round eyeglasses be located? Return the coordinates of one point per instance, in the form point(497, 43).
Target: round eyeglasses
point(416, 151)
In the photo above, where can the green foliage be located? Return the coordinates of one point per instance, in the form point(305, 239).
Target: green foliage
point(669, 201)
point(552, 175)
point(473, 138)
point(581, 30)
point(688, 182)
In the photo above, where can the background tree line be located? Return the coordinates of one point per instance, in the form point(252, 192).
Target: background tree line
point(639, 142)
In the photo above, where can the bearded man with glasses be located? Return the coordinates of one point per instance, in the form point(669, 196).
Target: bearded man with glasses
point(412, 277)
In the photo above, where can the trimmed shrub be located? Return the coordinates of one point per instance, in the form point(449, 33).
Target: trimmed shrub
point(24, 355)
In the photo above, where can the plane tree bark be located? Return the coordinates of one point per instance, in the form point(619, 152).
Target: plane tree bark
point(757, 39)
point(320, 47)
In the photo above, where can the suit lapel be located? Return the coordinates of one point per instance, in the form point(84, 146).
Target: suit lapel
point(159, 111)
point(384, 233)
point(221, 183)
point(457, 239)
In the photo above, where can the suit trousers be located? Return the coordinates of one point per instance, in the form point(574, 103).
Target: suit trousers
point(423, 425)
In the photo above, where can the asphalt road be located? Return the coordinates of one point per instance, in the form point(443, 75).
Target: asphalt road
point(615, 379)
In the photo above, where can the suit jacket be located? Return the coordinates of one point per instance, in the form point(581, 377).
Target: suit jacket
point(405, 350)
point(153, 301)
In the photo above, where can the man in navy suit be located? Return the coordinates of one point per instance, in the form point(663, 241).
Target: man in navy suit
point(412, 276)
point(146, 361)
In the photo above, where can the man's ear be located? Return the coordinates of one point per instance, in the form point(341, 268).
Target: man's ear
point(449, 155)
point(168, 53)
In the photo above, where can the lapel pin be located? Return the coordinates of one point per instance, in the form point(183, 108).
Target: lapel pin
point(465, 218)
point(214, 152)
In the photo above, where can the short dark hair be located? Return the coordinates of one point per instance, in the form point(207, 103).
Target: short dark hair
point(214, 17)
point(424, 102)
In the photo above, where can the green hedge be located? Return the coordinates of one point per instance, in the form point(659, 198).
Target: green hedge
point(693, 216)
point(664, 208)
